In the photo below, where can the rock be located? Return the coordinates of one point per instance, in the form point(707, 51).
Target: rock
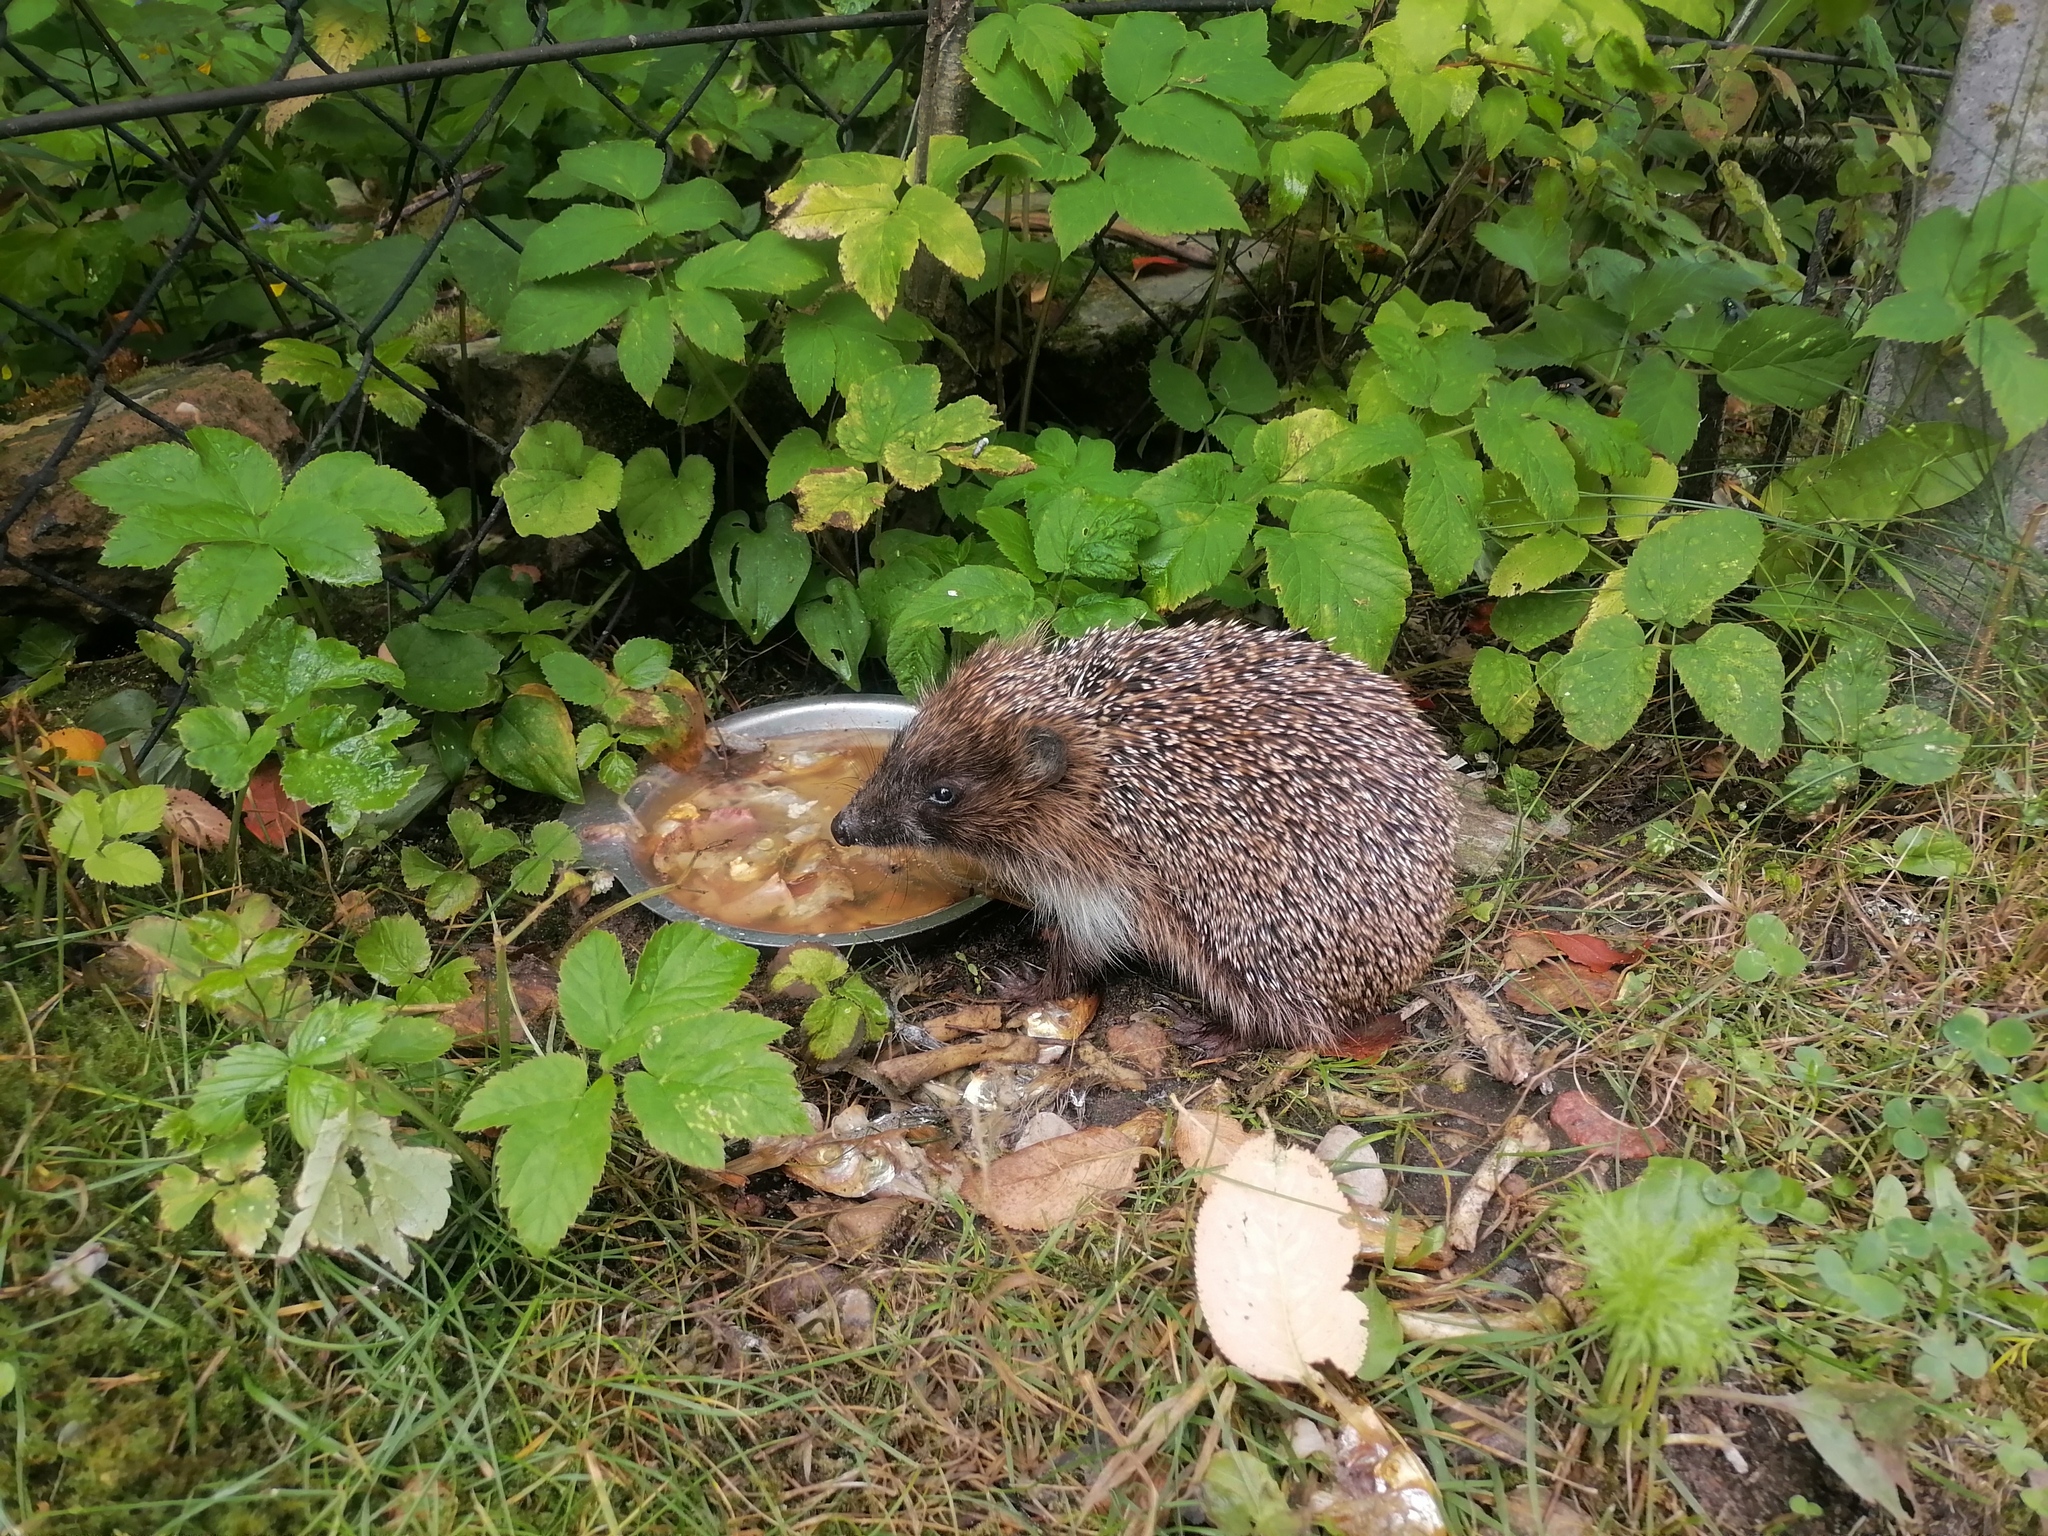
point(1487, 834)
point(62, 531)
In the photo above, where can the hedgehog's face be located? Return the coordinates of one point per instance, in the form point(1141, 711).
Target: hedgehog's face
point(977, 793)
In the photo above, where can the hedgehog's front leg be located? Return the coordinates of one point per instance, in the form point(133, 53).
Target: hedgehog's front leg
point(1063, 974)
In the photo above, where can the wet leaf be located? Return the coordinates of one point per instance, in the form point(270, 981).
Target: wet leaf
point(268, 812)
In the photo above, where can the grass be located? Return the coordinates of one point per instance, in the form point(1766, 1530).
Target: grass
point(650, 1377)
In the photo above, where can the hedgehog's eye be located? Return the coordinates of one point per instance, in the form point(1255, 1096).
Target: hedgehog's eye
point(943, 794)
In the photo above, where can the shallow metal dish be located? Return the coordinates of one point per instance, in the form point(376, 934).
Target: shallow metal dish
point(610, 824)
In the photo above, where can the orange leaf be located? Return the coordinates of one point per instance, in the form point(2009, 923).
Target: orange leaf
point(1526, 948)
point(194, 821)
point(77, 746)
point(268, 812)
point(1370, 1040)
point(1589, 949)
point(1140, 265)
point(1576, 1113)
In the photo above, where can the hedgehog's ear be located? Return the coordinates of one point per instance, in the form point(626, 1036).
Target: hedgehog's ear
point(1045, 756)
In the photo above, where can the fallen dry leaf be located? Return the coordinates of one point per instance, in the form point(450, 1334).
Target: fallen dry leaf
point(195, 821)
point(354, 911)
point(76, 746)
point(268, 812)
point(1527, 947)
point(1205, 1139)
point(1559, 984)
point(1043, 1126)
point(1059, 1180)
point(534, 991)
point(1518, 1138)
point(1508, 1055)
point(1589, 949)
point(800, 1286)
point(972, 1019)
point(1380, 1487)
point(1397, 1240)
point(854, 1157)
point(1066, 1018)
point(904, 1073)
point(1274, 1246)
point(1533, 1511)
point(865, 1227)
point(1143, 1044)
point(1362, 1182)
point(1580, 1117)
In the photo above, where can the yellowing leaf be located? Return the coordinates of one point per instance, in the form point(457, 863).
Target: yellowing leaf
point(837, 498)
point(1273, 1250)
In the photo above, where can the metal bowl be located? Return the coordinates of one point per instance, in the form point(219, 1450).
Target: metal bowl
point(609, 824)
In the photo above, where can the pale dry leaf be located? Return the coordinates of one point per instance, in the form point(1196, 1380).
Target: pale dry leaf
point(1065, 1018)
point(67, 1275)
point(1360, 1179)
point(1055, 1181)
point(1520, 1137)
point(1205, 1139)
point(1508, 1055)
point(865, 1227)
point(1273, 1249)
point(278, 113)
point(1380, 1487)
point(1533, 1511)
point(1043, 1126)
point(1143, 1044)
point(905, 1073)
point(195, 821)
point(970, 1019)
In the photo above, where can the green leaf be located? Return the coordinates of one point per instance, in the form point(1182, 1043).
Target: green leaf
point(836, 627)
point(1504, 687)
point(123, 864)
point(1932, 853)
point(279, 662)
point(167, 496)
point(1525, 237)
point(1736, 676)
point(1501, 114)
point(686, 208)
point(233, 1077)
point(1193, 125)
point(350, 765)
point(1241, 1498)
point(532, 745)
point(1818, 778)
point(393, 948)
point(1332, 89)
point(594, 992)
point(444, 670)
point(632, 169)
point(647, 346)
point(1686, 564)
point(685, 972)
point(1907, 744)
point(712, 1082)
point(1179, 393)
point(335, 1031)
point(226, 588)
point(842, 343)
point(181, 1194)
point(1198, 545)
point(1925, 316)
point(550, 1159)
point(1444, 374)
point(557, 485)
point(131, 812)
point(584, 235)
point(1078, 210)
point(641, 663)
point(1241, 381)
point(759, 571)
point(1340, 573)
point(1835, 700)
point(1900, 471)
point(1294, 165)
point(408, 1042)
point(219, 744)
point(562, 311)
point(975, 599)
point(1787, 355)
point(660, 513)
point(2015, 375)
point(1663, 400)
point(1081, 533)
point(1163, 193)
point(1537, 562)
point(1602, 684)
point(709, 320)
point(1139, 58)
point(1516, 432)
point(578, 679)
point(244, 1213)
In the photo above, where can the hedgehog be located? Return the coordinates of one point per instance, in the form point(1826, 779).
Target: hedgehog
point(1265, 820)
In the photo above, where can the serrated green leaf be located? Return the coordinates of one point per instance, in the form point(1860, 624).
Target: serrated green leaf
point(1527, 238)
point(181, 1194)
point(580, 236)
point(279, 662)
point(1602, 684)
point(393, 948)
point(1163, 193)
point(1686, 564)
point(1736, 676)
point(641, 662)
point(688, 207)
point(1787, 355)
point(1504, 687)
point(716, 1081)
point(630, 168)
point(1241, 381)
point(1193, 125)
point(578, 679)
point(1515, 430)
point(1925, 316)
point(167, 496)
point(1835, 700)
point(1900, 471)
point(1440, 514)
point(557, 485)
point(594, 992)
point(219, 743)
point(444, 670)
point(349, 765)
point(1139, 58)
point(2015, 375)
point(1078, 211)
point(1816, 779)
point(120, 863)
point(1909, 745)
point(225, 588)
point(647, 346)
point(530, 743)
point(1536, 563)
point(562, 311)
point(1335, 88)
point(709, 320)
point(1340, 573)
point(1178, 391)
point(1663, 400)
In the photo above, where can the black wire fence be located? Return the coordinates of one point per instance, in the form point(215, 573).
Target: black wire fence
point(410, 109)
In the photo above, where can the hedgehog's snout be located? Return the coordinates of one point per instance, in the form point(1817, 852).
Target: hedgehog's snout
point(846, 828)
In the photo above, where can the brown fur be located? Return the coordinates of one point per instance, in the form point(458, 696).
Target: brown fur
point(1267, 820)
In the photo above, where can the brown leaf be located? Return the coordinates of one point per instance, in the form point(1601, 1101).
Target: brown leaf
point(1205, 1138)
point(1143, 1044)
point(1508, 1055)
point(1592, 951)
point(354, 911)
point(800, 1287)
point(268, 812)
point(1519, 1138)
point(534, 990)
point(969, 1019)
point(1064, 1018)
point(1056, 1181)
point(904, 1073)
point(1559, 984)
point(1579, 1116)
point(865, 1227)
point(1370, 1040)
point(1526, 948)
point(195, 821)
point(1534, 1511)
